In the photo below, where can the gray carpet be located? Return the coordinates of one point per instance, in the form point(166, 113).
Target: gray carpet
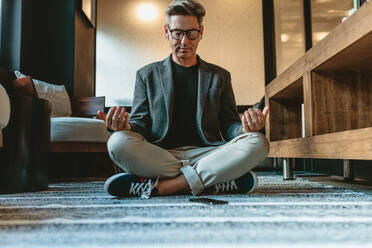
point(280, 213)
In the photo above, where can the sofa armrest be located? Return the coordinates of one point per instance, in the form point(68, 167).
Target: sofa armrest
point(85, 106)
point(4, 112)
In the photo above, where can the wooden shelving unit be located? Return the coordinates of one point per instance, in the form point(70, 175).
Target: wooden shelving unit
point(334, 82)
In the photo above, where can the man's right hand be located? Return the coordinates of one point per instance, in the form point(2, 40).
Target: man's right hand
point(116, 119)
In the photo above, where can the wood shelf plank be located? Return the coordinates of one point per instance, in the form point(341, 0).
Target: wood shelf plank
point(354, 144)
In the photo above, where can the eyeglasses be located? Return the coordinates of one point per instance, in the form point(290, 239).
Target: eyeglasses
point(178, 34)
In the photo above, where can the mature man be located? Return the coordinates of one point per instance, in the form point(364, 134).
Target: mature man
point(184, 132)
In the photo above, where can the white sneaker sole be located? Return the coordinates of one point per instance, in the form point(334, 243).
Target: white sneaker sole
point(255, 182)
point(108, 181)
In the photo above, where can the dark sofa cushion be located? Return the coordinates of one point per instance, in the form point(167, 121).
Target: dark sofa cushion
point(6, 80)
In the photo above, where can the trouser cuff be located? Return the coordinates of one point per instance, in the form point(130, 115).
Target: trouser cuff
point(192, 179)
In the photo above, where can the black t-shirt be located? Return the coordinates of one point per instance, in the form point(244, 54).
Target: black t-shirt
point(183, 130)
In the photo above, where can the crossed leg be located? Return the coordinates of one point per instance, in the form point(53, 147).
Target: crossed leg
point(187, 168)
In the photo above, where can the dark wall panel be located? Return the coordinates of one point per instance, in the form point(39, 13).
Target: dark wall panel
point(269, 40)
point(48, 41)
point(11, 33)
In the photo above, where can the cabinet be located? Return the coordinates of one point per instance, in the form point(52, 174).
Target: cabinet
point(321, 106)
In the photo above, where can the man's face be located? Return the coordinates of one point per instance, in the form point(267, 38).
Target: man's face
point(184, 48)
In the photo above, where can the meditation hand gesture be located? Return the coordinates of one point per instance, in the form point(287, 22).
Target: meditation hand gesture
point(116, 119)
point(254, 120)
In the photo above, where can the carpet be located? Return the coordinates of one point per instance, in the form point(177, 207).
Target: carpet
point(298, 213)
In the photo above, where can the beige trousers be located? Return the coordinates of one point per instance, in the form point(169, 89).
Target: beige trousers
point(201, 166)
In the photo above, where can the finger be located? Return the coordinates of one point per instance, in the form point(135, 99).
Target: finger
point(101, 115)
point(245, 124)
point(117, 113)
point(109, 117)
point(244, 121)
point(249, 120)
point(265, 111)
point(123, 112)
point(261, 117)
point(116, 118)
point(123, 117)
point(253, 115)
point(254, 118)
point(127, 115)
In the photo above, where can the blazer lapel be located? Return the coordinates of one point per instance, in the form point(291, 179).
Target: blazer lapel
point(167, 84)
point(204, 81)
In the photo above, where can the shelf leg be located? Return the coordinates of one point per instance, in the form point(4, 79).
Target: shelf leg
point(348, 170)
point(288, 168)
point(276, 165)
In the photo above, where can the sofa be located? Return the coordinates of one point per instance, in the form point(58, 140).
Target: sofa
point(71, 127)
point(68, 125)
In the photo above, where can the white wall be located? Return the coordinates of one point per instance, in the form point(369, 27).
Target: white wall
point(233, 39)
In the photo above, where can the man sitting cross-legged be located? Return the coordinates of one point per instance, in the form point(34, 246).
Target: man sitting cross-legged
point(184, 132)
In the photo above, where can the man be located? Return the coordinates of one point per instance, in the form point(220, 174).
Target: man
point(184, 132)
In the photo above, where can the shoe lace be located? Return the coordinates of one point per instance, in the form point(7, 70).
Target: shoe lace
point(143, 189)
point(225, 187)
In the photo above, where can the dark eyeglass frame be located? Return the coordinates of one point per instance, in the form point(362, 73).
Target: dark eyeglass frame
point(183, 33)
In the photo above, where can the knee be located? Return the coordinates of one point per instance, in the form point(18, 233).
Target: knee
point(257, 142)
point(120, 141)
point(263, 144)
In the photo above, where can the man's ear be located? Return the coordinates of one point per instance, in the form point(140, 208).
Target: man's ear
point(166, 34)
point(201, 32)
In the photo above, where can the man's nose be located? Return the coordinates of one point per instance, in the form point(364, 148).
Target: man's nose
point(184, 39)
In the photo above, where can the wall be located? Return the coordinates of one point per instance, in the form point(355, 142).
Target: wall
point(233, 39)
point(47, 41)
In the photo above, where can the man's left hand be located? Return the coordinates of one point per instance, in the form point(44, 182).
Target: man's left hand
point(254, 120)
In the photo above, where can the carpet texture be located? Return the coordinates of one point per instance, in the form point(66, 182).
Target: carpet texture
point(297, 213)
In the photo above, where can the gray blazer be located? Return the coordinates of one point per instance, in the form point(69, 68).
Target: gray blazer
point(217, 119)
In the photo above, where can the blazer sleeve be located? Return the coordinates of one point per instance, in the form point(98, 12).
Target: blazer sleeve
point(140, 115)
point(230, 122)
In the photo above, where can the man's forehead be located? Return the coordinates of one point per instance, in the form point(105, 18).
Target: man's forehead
point(183, 21)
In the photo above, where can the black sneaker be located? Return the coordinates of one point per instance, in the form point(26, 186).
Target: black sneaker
point(241, 185)
point(125, 184)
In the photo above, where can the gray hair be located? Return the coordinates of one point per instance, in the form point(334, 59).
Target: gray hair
point(186, 7)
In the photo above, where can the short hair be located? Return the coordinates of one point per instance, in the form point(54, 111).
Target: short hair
point(186, 7)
